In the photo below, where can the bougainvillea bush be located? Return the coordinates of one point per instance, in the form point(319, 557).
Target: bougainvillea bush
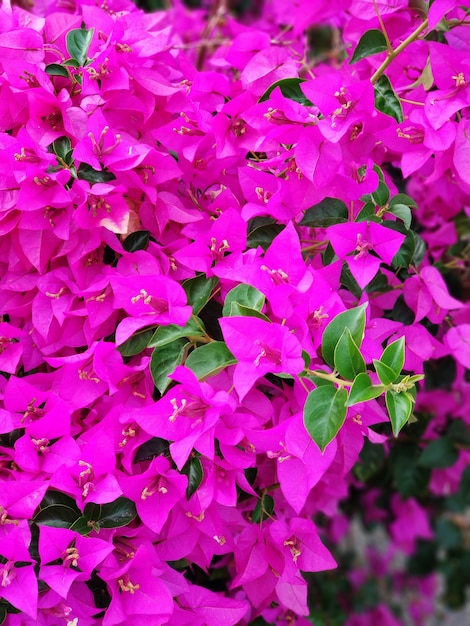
point(235, 320)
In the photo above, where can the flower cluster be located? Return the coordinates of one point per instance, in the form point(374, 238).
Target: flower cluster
point(214, 296)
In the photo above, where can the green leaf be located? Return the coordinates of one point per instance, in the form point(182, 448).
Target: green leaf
point(54, 69)
point(379, 284)
point(324, 413)
point(320, 382)
point(363, 390)
point(82, 526)
point(327, 212)
point(410, 479)
point(399, 407)
point(386, 100)
point(402, 198)
point(199, 290)
point(262, 231)
point(348, 360)
point(210, 359)
point(420, 249)
point(290, 88)
point(86, 172)
point(245, 295)
point(238, 310)
point(71, 63)
point(164, 360)
point(448, 534)
point(152, 448)
point(412, 249)
point(372, 42)
point(61, 147)
point(155, 5)
point(381, 194)
point(404, 256)
point(136, 241)
point(401, 211)
point(328, 255)
point(380, 173)
point(195, 473)
point(348, 281)
point(439, 453)
point(306, 358)
point(385, 373)
point(263, 510)
point(354, 319)
point(114, 514)
point(394, 356)
point(137, 343)
point(167, 334)
point(367, 213)
point(371, 461)
point(57, 509)
point(459, 501)
point(459, 432)
point(259, 621)
point(77, 43)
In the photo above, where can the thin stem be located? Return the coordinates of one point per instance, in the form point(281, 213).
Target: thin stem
point(314, 246)
point(207, 337)
point(416, 102)
point(392, 55)
point(218, 11)
point(271, 488)
point(302, 382)
point(332, 378)
point(382, 27)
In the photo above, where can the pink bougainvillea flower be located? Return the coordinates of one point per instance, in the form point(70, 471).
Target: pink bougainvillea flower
point(342, 103)
point(54, 116)
point(363, 238)
point(411, 523)
point(232, 133)
point(91, 479)
point(19, 500)
point(78, 557)
point(294, 454)
point(186, 416)
point(317, 159)
point(457, 339)
point(212, 609)
point(136, 588)
point(34, 454)
point(293, 451)
point(11, 349)
point(23, 44)
point(41, 190)
point(265, 68)
point(213, 238)
point(155, 299)
point(18, 579)
point(155, 492)
point(101, 204)
point(253, 565)
point(302, 551)
point(260, 347)
point(280, 274)
point(427, 295)
point(285, 272)
point(99, 142)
